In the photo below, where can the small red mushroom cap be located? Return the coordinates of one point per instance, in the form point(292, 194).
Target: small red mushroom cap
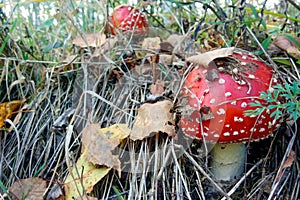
point(128, 18)
point(216, 97)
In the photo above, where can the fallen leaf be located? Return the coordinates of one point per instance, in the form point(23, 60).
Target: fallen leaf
point(100, 142)
point(157, 88)
point(294, 52)
point(288, 163)
point(152, 118)
point(151, 43)
point(29, 189)
point(90, 40)
point(166, 47)
point(85, 176)
point(205, 58)
point(284, 43)
point(178, 42)
point(168, 59)
point(7, 109)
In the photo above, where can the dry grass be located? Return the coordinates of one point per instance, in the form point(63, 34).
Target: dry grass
point(158, 167)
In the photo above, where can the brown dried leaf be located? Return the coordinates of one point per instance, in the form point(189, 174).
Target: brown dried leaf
point(7, 109)
point(29, 189)
point(293, 51)
point(100, 142)
point(205, 58)
point(153, 118)
point(151, 43)
point(168, 59)
point(178, 42)
point(282, 42)
point(287, 45)
point(166, 47)
point(288, 163)
point(90, 40)
point(157, 88)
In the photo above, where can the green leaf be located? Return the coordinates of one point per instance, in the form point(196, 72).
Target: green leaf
point(266, 43)
point(7, 37)
point(49, 22)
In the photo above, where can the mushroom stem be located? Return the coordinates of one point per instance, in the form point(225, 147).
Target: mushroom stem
point(228, 161)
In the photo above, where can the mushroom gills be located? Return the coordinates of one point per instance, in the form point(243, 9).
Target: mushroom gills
point(228, 161)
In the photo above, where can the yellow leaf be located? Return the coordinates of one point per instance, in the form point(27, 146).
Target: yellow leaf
point(85, 176)
point(7, 109)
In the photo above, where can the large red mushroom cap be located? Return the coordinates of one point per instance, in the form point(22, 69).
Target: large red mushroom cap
point(215, 98)
point(128, 18)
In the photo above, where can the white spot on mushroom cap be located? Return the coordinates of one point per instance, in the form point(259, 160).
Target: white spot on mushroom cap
point(262, 130)
point(226, 134)
point(235, 132)
point(190, 129)
point(221, 111)
point(242, 131)
point(252, 129)
point(243, 63)
point(227, 125)
point(212, 101)
point(251, 76)
point(221, 81)
point(244, 105)
point(216, 135)
point(238, 119)
point(233, 103)
point(244, 57)
point(227, 94)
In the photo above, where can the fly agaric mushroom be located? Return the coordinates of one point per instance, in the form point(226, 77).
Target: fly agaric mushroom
point(128, 18)
point(216, 98)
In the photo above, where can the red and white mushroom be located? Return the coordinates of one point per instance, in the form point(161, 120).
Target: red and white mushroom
point(126, 18)
point(216, 98)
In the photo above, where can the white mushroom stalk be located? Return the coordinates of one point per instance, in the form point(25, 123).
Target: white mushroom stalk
point(228, 161)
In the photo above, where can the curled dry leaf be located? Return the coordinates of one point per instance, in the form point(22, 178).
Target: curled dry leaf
point(90, 40)
point(98, 143)
point(152, 118)
point(30, 189)
point(284, 43)
point(206, 58)
point(288, 163)
point(7, 109)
